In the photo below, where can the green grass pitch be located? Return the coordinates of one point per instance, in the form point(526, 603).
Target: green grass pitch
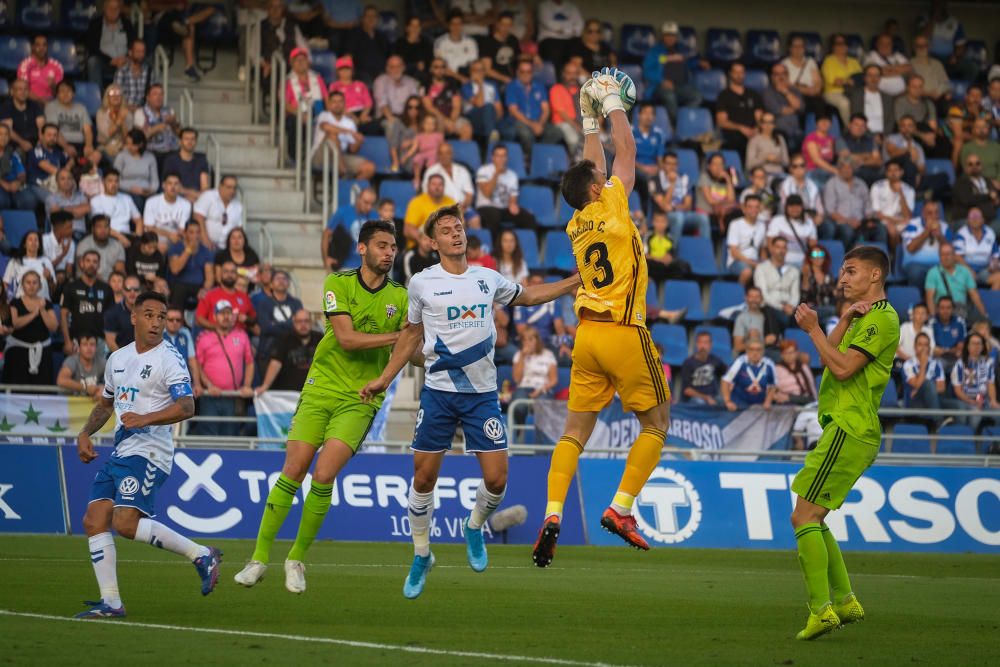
point(593, 606)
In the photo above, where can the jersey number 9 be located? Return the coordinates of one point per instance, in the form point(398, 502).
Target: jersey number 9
point(601, 264)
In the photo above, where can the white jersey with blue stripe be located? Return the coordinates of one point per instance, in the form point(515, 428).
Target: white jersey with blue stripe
point(459, 334)
point(145, 383)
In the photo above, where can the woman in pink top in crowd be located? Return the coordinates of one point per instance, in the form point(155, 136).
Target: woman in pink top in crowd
point(794, 378)
point(817, 149)
point(425, 147)
point(357, 98)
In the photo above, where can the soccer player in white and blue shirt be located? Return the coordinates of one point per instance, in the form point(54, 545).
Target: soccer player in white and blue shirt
point(451, 319)
point(147, 386)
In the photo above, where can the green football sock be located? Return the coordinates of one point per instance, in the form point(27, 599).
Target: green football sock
point(279, 502)
point(836, 569)
point(316, 506)
point(813, 561)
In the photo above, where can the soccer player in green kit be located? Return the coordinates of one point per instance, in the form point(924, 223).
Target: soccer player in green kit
point(858, 357)
point(365, 312)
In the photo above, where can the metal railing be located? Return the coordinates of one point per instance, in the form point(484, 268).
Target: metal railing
point(279, 77)
point(216, 147)
point(331, 181)
point(251, 65)
point(265, 243)
point(161, 64)
point(185, 107)
point(303, 135)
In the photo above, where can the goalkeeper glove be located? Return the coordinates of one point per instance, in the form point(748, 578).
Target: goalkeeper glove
point(607, 90)
point(590, 109)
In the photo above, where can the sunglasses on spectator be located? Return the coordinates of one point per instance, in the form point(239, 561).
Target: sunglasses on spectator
point(131, 289)
point(593, 31)
point(174, 319)
point(796, 165)
point(817, 254)
point(973, 163)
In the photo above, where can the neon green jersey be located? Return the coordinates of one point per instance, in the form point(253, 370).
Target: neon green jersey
point(381, 310)
point(853, 403)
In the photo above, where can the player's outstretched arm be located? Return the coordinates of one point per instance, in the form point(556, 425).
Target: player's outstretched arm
point(352, 340)
point(536, 294)
point(178, 411)
point(842, 364)
point(590, 114)
point(607, 91)
point(98, 418)
point(409, 342)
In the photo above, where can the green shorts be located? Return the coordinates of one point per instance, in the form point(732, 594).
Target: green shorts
point(322, 416)
point(830, 470)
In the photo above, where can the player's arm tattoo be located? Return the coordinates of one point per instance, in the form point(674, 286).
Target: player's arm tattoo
point(98, 416)
point(186, 404)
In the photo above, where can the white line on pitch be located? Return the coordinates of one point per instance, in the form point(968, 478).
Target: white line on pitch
point(320, 640)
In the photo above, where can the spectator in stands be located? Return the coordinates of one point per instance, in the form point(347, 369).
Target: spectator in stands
point(245, 317)
point(119, 207)
point(455, 48)
point(858, 144)
point(107, 40)
point(368, 46)
point(947, 40)
point(737, 111)
point(277, 313)
point(342, 229)
point(68, 199)
point(666, 69)
point(752, 322)
point(414, 49)
point(701, 373)
point(139, 177)
point(589, 51)
point(288, 360)
point(482, 104)
point(818, 152)
point(798, 184)
point(477, 255)
point(992, 101)
point(949, 333)
point(527, 119)
point(716, 194)
point(779, 282)
point(12, 176)
point(226, 359)
point(443, 99)
point(393, 91)
point(108, 248)
point(145, 260)
point(974, 188)
point(218, 211)
point(794, 382)
point(956, 281)
point(766, 149)
point(29, 257)
point(961, 117)
point(42, 73)
point(904, 147)
point(981, 145)
point(670, 193)
point(357, 98)
point(924, 376)
point(177, 334)
point(280, 32)
point(973, 379)
point(559, 21)
point(893, 66)
point(785, 104)
point(650, 142)
point(191, 166)
point(82, 372)
point(339, 131)
point(660, 260)
point(159, 123)
point(819, 286)
point(918, 324)
point(984, 328)
point(915, 104)
point(28, 356)
point(304, 90)
point(497, 188)
point(758, 187)
point(457, 179)
point(892, 201)
point(114, 122)
point(423, 151)
point(118, 328)
point(134, 76)
point(85, 299)
point(547, 322)
point(400, 134)
point(803, 74)
point(797, 229)
point(565, 105)
point(922, 238)
point(44, 162)
point(744, 241)
point(191, 269)
point(421, 206)
point(510, 257)
point(166, 214)
point(535, 370)
point(750, 380)
point(837, 70)
point(76, 133)
point(937, 87)
point(59, 247)
point(25, 117)
point(419, 257)
point(117, 283)
point(239, 252)
point(976, 247)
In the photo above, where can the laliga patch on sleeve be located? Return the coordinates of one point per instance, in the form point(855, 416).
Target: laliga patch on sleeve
point(330, 301)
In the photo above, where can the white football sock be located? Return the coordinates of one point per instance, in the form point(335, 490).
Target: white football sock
point(486, 504)
point(105, 560)
point(420, 509)
point(155, 533)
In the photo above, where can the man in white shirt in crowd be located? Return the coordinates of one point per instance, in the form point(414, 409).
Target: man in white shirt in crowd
point(845, 199)
point(922, 239)
point(744, 240)
point(457, 179)
point(894, 65)
point(456, 48)
point(58, 245)
point(796, 228)
point(559, 21)
point(975, 246)
point(120, 209)
point(497, 190)
point(869, 100)
point(167, 213)
point(779, 282)
point(892, 201)
point(335, 127)
point(219, 212)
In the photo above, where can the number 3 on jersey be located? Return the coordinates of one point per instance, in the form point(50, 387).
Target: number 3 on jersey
point(601, 264)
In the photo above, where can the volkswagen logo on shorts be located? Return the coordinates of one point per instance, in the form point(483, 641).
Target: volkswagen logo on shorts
point(493, 429)
point(128, 486)
point(668, 509)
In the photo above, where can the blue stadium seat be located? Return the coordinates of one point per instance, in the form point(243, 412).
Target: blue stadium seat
point(834, 124)
point(547, 75)
point(967, 447)
point(515, 158)
point(559, 252)
point(687, 164)
point(661, 120)
point(756, 79)
point(904, 445)
point(636, 41)
point(991, 300)
point(693, 121)
point(607, 32)
point(723, 45)
point(941, 166)
point(376, 149)
point(483, 235)
point(684, 294)
point(548, 162)
point(805, 345)
point(529, 246)
point(64, 50)
point(324, 62)
point(836, 250)
point(700, 254)
point(688, 40)
point(12, 51)
point(562, 379)
point(764, 46)
point(539, 200)
point(565, 212)
point(76, 15)
point(975, 51)
point(401, 192)
point(89, 95)
point(634, 202)
point(813, 42)
point(505, 373)
point(710, 83)
point(855, 46)
point(467, 152)
point(902, 298)
point(723, 294)
point(722, 342)
point(347, 189)
point(4, 87)
point(673, 339)
point(959, 89)
point(36, 15)
point(733, 160)
point(388, 25)
point(890, 399)
point(16, 224)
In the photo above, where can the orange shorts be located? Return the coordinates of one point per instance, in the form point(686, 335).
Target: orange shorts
point(610, 357)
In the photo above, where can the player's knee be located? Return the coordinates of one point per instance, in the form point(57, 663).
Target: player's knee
point(423, 482)
point(125, 525)
point(296, 471)
point(94, 524)
point(495, 482)
point(657, 417)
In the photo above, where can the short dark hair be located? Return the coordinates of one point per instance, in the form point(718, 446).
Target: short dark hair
point(703, 333)
point(857, 114)
point(945, 298)
point(185, 130)
point(100, 217)
point(455, 14)
point(149, 237)
point(894, 162)
point(474, 243)
point(335, 93)
point(48, 125)
point(169, 174)
point(646, 105)
point(372, 227)
point(750, 288)
point(752, 196)
point(506, 15)
point(69, 84)
point(138, 138)
point(871, 255)
point(192, 223)
point(497, 147)
point(776, 239)
point(454, 211)
point(111, 171)
point(92, 252)
point(150, 296)
point(921, 335)
point(385, 200)
point(60, 218)
point(226, 177)
point(576, 182)
point(919, 304)
point(906, 117)
point(85, 334)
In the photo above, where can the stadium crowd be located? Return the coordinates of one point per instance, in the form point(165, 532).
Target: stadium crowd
point(756, 171)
